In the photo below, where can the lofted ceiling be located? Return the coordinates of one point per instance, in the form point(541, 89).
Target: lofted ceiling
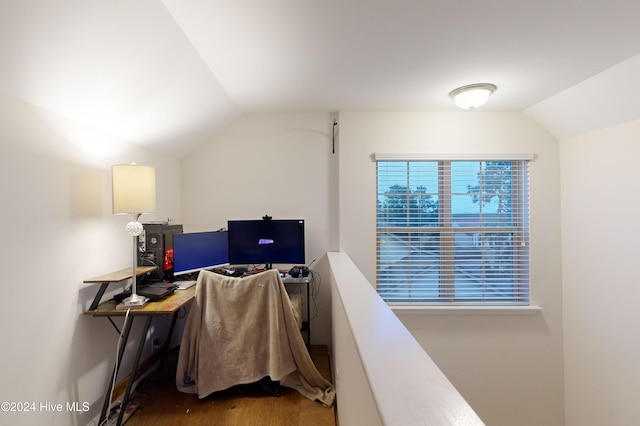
point(169, 74)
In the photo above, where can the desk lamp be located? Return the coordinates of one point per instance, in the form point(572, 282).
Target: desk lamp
point(134, 193)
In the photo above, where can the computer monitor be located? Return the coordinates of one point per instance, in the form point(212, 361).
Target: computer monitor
point(195, 251)
point(266, 241)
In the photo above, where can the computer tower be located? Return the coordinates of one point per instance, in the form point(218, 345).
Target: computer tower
point(155, 248)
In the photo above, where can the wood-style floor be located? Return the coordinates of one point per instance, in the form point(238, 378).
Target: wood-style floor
point(162, 404)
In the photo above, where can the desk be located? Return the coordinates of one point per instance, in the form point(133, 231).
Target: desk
point(168, 306)
point(114, 277)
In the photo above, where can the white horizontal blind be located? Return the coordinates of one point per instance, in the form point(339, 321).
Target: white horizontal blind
point(453, 231)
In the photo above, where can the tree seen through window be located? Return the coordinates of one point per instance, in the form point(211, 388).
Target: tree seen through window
point(452, 232)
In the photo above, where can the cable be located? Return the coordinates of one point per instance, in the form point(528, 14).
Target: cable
point(148, 261)
point(333, 141)
point(315, 291)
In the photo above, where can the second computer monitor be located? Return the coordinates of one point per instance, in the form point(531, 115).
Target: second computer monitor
point(196, 251)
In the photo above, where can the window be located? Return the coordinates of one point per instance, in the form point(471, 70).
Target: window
point(452, 231)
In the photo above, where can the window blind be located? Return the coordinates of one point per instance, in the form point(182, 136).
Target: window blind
point(453, 231)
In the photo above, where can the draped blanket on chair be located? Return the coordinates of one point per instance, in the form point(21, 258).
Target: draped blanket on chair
point(240, 330)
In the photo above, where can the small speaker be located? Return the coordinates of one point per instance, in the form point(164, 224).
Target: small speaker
point(298, 271)
point(294, 272)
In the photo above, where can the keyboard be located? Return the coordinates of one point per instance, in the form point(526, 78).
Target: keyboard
point(183, 285)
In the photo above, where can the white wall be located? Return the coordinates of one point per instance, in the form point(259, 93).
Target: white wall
point(600, 205)
point(509, 368)
point(275, 164)
point(55, 186)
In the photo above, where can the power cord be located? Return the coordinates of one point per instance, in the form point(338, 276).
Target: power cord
point(315, 291)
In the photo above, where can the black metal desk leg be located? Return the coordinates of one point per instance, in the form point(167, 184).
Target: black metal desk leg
point(116, 367)
point(167, 343)
point(132, 376)
point(308, 317)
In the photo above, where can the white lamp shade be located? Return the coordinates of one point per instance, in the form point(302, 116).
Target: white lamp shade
point(134, 189)
point(472, 96)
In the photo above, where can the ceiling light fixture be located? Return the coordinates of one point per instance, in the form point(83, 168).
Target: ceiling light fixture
point(472, 96)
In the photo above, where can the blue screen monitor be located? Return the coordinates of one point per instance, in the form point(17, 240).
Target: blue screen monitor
point(195, 251)
point(266, 241)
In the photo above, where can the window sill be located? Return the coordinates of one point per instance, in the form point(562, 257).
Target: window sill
point(467, 310)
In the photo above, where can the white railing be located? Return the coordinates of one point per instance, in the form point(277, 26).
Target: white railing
point(382, 375)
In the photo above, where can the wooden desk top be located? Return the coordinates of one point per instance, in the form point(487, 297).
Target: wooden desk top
point(168, 305)
point(125, 274)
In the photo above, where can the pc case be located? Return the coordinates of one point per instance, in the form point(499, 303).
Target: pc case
point(155, 248)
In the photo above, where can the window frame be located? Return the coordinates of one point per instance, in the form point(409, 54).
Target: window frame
point(444, 190)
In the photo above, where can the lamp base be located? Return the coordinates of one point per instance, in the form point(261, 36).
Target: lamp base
point(135, 301)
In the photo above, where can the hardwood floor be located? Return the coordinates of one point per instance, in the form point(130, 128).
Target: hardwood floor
point(162, 404)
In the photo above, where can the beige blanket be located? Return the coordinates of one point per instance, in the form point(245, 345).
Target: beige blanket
point(240, 330)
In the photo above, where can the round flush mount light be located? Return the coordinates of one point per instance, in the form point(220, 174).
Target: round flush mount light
point(472, 96)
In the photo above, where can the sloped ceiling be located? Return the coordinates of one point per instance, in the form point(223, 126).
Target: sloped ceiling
point(168, 75)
